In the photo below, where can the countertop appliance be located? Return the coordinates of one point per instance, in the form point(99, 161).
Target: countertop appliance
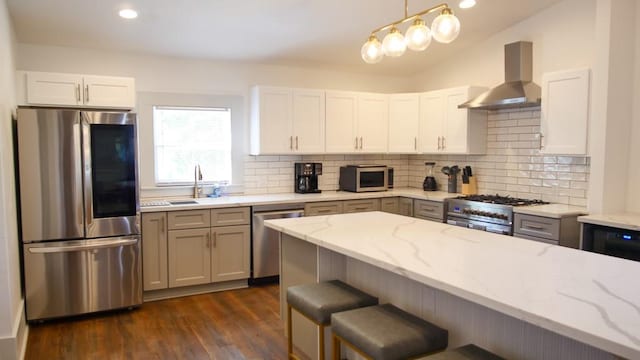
point(265, 247)
point(80, 214)
point(306, 177)
point(493, 213)
point(611, 241)
point(452, 177)
point(361, 178)
point(429, 183)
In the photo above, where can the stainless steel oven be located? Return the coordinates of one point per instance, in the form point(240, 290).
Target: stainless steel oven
point(79, 211)
point(361, 178)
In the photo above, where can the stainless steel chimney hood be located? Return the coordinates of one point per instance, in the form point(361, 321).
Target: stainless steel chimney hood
point(518, 90)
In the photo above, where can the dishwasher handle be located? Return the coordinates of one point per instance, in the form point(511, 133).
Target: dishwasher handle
point(266, 214)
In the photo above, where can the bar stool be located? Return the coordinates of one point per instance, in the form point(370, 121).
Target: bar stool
point(467, 352)
point(318, 301)
point(385, 332)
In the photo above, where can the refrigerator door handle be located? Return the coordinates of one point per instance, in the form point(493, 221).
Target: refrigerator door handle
point(85, 245)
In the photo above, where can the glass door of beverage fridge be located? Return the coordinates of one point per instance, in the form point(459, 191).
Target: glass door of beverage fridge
point(110, 174)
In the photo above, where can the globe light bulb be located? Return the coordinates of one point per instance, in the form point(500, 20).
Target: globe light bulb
point(446, 27)
point(372, 50)
point(418, 36)
point(394, 44)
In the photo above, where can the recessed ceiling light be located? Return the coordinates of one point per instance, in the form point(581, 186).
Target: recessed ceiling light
point(465, 4)
point(128, 14)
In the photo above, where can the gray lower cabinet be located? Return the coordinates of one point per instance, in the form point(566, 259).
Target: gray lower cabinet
point(563, 231)
point(397, 205)
point(361, 205)
point(154, 251)
point(195, 247)
point(323, 208)
point(428, 210)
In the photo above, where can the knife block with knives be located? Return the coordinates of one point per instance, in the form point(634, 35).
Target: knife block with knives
point(469, 183)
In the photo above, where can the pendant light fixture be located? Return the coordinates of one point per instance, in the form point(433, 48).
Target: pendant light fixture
point(444, 28)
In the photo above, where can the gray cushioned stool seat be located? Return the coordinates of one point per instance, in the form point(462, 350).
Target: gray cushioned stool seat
point(319, 301)
point(467, 352)
point(385, 332)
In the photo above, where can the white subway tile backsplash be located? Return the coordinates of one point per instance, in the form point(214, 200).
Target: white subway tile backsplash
point(513, 165)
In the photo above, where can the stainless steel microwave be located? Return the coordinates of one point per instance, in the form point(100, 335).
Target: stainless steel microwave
point(361, 178)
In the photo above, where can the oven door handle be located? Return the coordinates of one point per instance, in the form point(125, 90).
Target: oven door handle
point(85, 245)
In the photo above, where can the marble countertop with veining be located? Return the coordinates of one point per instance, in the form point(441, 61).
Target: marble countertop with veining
point(291, 198)
point(629, 221)
point(586, 296)
point(556, 211)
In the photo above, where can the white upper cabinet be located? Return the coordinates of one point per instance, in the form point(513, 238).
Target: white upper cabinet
point(564, 112)
point(356, 122)
point(75, 90)
point(446, 129)
point(404, 120)
point(285, 120)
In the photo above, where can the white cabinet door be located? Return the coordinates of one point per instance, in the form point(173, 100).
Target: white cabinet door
point(230, 253)
point(454, 140)
point(308, 121)
point(109, 91)
point(340, 121)
point(565, 112)
point(432, 115)
point(404, 119)
point(373, 122)
point(271, 121)
point(54, 89)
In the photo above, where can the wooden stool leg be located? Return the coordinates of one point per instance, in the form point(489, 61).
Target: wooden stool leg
point(321, 341)
point(289, 333)
point(336, 347)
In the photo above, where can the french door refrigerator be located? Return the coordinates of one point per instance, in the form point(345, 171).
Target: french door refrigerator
point(79, 211)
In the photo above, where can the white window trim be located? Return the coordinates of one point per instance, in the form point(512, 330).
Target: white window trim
point(146, 102)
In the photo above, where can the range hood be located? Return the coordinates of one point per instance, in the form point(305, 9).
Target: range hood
point(518, 90)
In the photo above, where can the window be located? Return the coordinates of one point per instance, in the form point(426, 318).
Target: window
point(187, 136)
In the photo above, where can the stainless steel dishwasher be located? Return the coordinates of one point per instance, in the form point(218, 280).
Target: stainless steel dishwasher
point(265, 248)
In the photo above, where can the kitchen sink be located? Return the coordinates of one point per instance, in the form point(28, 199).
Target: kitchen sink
point(183, 202)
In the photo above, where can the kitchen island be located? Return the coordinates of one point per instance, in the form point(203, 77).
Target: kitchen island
point(518, 298)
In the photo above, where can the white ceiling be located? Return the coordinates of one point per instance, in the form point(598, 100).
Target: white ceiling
point(321, 33)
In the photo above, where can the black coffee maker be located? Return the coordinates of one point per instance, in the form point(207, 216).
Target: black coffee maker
point(306, 177)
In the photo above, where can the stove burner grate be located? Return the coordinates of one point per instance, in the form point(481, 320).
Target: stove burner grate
point(502, 200)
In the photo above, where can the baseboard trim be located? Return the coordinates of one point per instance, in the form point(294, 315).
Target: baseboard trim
point(193, 290)
point(14, 347)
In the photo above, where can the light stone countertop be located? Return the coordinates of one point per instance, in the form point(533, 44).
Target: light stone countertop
point(291, 198)
point(629, 221)
point(556, 211)
point(586, 296)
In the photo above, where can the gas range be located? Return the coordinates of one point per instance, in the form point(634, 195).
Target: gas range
point(493, 213)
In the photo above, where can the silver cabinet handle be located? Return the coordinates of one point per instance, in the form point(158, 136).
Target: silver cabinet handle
point(444, 146)
point(208, 240)
point(415, 143)
point(540, 138)
point(78, 92)
point(86, 94)
point(215, 239)
point(360, 142)
point(356, 143)
point(534, 227)
point(296, 142)
point(439, 143)
point(291, 142)
point(162, 224)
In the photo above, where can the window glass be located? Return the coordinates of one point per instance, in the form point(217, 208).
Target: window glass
point(187, 136)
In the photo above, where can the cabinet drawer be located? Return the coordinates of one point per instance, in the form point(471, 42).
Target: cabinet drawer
point(323, 208)
point(230, 216)
point(537, 226)
point(188, 219)
point(390, 205)
point(352, 206)
point(430, 210)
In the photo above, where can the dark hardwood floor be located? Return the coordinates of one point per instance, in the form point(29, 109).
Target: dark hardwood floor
point(237, 324)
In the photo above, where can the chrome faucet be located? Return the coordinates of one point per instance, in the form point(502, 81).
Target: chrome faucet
point(197, 176)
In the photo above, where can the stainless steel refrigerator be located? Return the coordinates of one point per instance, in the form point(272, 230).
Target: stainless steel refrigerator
point(79, 211)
